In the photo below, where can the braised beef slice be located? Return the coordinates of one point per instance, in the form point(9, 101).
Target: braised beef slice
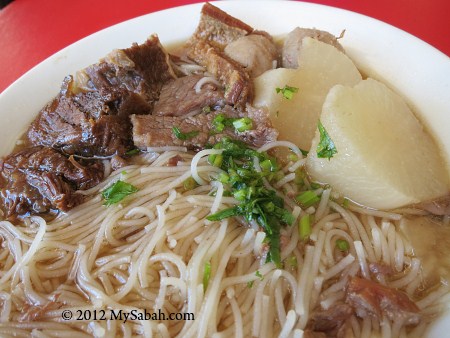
point(178, 97)
point(219, 27)
point(37, 179)
point(330, 322)
point(90, 115)
point(85, 124)
point(370, 298)
point(140, 69)
point(157, 131)
point(237, 83)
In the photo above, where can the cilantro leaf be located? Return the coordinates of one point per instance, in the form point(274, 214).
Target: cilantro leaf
point(184, 136)
point(117, 192)
point(246, 184)
point(288, 91)
point(326, 147)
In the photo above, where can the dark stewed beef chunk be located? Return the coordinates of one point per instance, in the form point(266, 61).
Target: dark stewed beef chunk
point(90, 115)
point(329, 323)
point(86, 124)
point(179, 97)
point(370, 298)
point(140, 69)
point(38, 179)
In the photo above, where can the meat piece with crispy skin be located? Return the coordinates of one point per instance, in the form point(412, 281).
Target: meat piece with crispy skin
point(218, 27)
point(237, 83)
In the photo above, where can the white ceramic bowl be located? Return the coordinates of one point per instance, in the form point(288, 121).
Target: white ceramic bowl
point(408, 65)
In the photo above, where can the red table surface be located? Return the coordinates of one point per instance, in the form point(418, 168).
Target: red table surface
point(32, 30)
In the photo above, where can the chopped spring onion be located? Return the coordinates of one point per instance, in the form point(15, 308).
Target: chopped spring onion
point(342, 245)
point(304, 227)
point(184, 136)
point(292, 261)
point(326, 147)
point(307, 199)
point(189, 183)
point(215, 160)
point(239, 124)
point(250, 284)
point(287, 91)
point(206, 275)
point(206, 109)
point(243, 124)
point(257, 203)
point(117, 192)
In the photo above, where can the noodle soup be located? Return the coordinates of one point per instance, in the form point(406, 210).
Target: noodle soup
point(159, 249)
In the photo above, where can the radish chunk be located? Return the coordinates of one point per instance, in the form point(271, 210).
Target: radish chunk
point(383, 157)
point(321, 66)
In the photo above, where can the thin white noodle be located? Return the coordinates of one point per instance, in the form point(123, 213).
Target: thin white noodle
point(197, 158)
point(286, 144)
point(362, 259)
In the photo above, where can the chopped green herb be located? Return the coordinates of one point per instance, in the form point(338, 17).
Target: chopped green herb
point(304, 152)
point(342, 245)
point(184, 136)
point(243, 124)
point(206, 275)
point(215, 160)
point(326, 147)
point(293, 157)
point(257, 203)
point(307, 198)
point(240, 124)
point(225, 213)
point(304, 227)
point(287, 91)
point(189, 183)
point(250, 284)
point(258, 274)
point(292, 261)
point(132, 152)
point(315, 185)
point(206, 109)
point(117, 192)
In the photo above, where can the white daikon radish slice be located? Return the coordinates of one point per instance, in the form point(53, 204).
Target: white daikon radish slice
point(384, 158)
point(321, 67)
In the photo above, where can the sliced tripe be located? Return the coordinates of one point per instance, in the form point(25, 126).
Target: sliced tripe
point(385, 159)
